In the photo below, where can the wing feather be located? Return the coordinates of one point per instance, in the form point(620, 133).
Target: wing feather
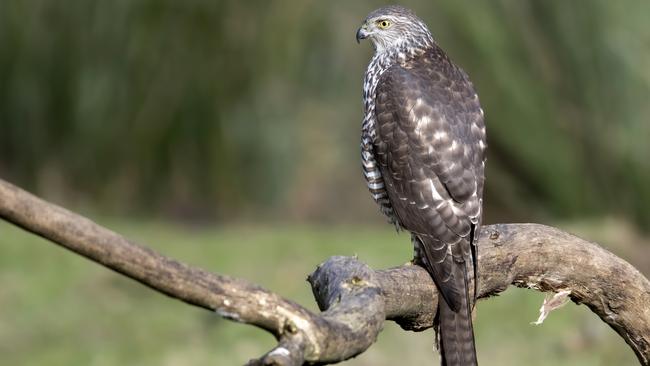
point(430, 148)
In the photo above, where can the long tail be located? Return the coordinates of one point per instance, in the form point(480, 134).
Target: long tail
point(456, 333)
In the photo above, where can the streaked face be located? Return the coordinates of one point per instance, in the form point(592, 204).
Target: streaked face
point(394, 27)
point(385, 31)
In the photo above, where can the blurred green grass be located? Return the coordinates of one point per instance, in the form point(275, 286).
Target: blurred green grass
point(61, 309)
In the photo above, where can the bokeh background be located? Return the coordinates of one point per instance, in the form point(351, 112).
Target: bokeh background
point(226, 133)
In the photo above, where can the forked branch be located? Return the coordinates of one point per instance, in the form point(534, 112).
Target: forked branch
point(354, 298)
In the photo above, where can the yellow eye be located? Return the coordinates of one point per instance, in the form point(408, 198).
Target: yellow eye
point(384, 24)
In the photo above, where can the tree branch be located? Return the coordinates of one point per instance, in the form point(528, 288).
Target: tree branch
point(355, 299)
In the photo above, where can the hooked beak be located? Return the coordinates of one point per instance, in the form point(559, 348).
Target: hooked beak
point(362, 33)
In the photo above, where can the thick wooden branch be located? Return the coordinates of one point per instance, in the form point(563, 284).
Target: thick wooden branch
point(354, 298)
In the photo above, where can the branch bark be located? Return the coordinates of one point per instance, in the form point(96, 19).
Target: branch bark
point(354, 299)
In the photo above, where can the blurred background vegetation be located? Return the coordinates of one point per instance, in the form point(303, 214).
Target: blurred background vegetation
point(242, 119)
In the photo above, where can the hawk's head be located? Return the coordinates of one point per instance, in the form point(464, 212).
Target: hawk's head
point(394, 27)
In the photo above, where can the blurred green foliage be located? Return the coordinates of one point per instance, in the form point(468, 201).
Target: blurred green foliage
point(207, 108)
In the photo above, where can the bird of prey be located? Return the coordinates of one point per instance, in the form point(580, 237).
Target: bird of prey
point(423, 153)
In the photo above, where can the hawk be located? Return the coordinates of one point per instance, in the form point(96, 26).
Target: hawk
point(423, 152)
